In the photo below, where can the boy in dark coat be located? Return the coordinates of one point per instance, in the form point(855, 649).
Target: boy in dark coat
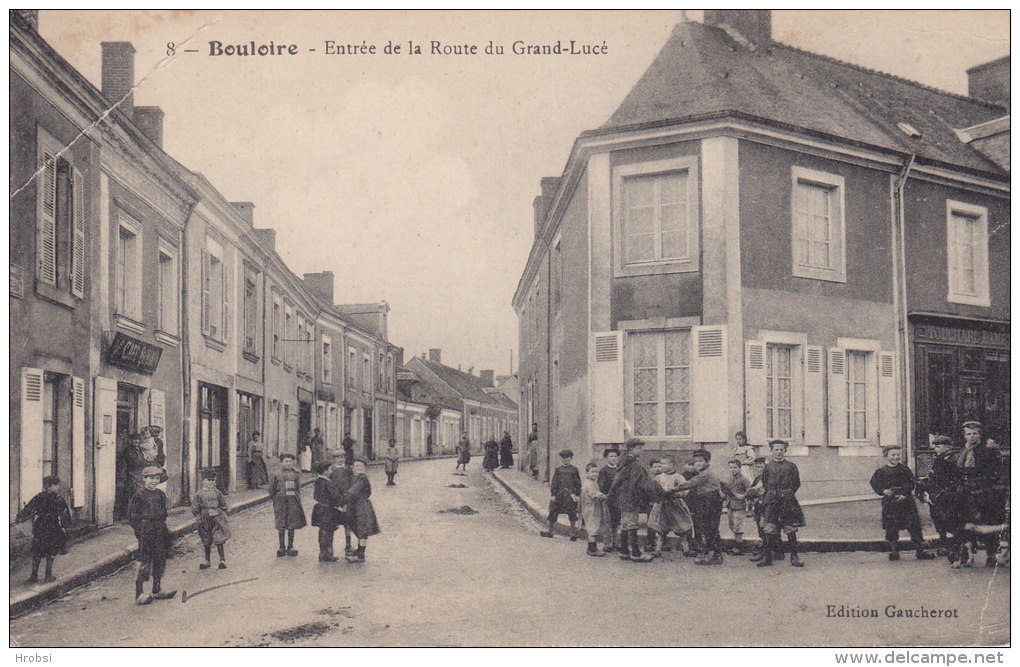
point(706, 509)
point(285, 490)
point(735, 490)
point(983, 496)
point(326, 514)
point(944, 488)
point(896, 484)
point(210, 507)
point(50, 518)
point(147, 512)
point(342, 477)
point(565, 488)
point(755, 493)
point(360, 513)
point(632, 488)
point(605, 481)
point(780, 510)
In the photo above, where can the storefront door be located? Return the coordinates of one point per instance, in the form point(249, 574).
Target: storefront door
point(249, 418)
point(212, 444)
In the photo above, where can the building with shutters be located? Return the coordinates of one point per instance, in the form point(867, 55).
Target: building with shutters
point(434, 408)
point(769, 240)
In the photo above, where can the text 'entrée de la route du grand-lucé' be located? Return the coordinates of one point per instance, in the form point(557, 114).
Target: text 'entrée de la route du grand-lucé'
point(431, 47)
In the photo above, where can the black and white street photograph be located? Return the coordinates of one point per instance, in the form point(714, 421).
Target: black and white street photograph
point(491, 329)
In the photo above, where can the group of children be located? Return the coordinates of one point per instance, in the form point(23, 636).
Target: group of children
point(612, 498)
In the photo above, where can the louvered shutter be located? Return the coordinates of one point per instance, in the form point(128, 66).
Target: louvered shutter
point(78, 442)
point(157, 409)
point(607, 387)
point(837, 397)
point(814, 395)
point(755, 392)
point(888, 403)
point(709, 384)
point(225, 317)
point(78, 251)
point(31, 453)
point(46, 253)
point(104, 429)
point(206, 293)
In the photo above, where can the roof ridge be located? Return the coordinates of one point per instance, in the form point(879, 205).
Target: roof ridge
point(887, 75)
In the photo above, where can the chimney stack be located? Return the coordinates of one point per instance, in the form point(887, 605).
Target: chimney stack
point(150, 121)
point(267, 237)
point(119, 75)
point(321, 284)
point(549, 185)
point(990, 81)
point(487, 378)
point(435, 354)
point(755, 25)
point(246, 210)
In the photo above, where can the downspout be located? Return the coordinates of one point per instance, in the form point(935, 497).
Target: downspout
point(900, 296)
point(185, 366)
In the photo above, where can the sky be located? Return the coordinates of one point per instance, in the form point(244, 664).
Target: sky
point(412, 177)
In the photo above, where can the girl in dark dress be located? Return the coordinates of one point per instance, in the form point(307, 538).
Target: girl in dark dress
point(506, 451)
point(360, 513)
point(326, 514)
point(896, 484)
point(491, 460)
point(285, 490)
point(50, 518)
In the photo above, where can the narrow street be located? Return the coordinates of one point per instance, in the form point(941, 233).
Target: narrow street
point(436, 577)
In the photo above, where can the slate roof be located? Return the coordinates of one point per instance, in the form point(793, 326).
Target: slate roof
point(703, 72)
point(426, 393)
point(465, 384)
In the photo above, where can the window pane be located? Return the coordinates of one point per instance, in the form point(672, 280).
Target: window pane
point(673, 187)
point(678, 348)
point(645, 385)
point(678, 419)
point(785, 427)
point(644, 350)
point(678, 381)
point(782, 361)
point(783, 393)
point(640, 248)
point(673, 217)
point(674, 245)
point(639, 191)
point(859, 426)
point(644, 419)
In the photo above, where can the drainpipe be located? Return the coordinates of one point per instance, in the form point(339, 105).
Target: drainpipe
point(185, 366)
point(900, 296)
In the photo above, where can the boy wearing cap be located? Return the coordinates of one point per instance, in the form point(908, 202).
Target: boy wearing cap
point(326, 514)
point(706, 492)
point(147, 512)
point(943, 488)
point(735, 490)
point(896, 484)
point(565, 488)
point(632, 488)
point(755, 492)
point(50, 518)
point(285, 490)
point(780, 510)
point(342, 477)
point(607, 474)
point(210, 507)
point(983, 497)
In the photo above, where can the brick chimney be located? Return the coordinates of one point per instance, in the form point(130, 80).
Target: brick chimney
point(436, 355)
point(246, 210)
point(487, 378)
point(29, 16)
point(321, 284)
point(119, 75)
point(754, 24)
point(542, 202)
point(150, 121)
point(267, 236)
point(990, 81)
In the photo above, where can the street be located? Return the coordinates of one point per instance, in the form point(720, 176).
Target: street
point(441, 578)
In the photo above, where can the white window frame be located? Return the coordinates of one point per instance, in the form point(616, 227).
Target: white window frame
point(835, 184)
point(277, 354)
point(352, 367)
point(288, 336)
point(327, 360)
point(165, 324)
point(798, 341)
point(871, 348)
point(660, 326)
point(252, 303)
point(691, 262)
point(557, 275)
point(129, 304)
point(981, 295)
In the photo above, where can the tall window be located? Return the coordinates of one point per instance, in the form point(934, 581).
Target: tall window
point(288, 334)
point(818, 232)
point(276, 329)
point(128, 275)
point(967, 252)
point(380, 384)
point(51, 437)
point(557, 276)
point(655, 221)
point(661, 383)
point(286, 427)
point(352, 369)
point(215, 292)
point(366, 373)
point(858, 424)
point(327, 360)
point(167, 291)
point(389, 374)
point(779, 391)
point(60, 219)
point(251, 311)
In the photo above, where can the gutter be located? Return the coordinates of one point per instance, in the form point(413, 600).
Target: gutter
point(900, 299)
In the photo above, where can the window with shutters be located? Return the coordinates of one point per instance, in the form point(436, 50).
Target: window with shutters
point(167, 290)
point(860, 423)
point(61, 225)
point(327, 360)
point(818, 233)
point(967, 253)
point(661, 383)
point(389, 374)
point(365, 381)
point(215, 292)
point(251, 313)
point(352, 368)
point(128, 275)
point(779, 391)
point(657, 217)
point(380, 381)
point(277, 329)
point(288, 336)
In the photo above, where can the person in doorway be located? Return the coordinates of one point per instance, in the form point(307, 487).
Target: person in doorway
point(147, 514)
point(506, 451)
point(392, 459)
point(896, 484)
point(141, 453)
point(317, 447)
point(285, 490)
point(465, 452)
point(210, 507)
point(258, 475)
point(360, 512)
point(50, 517)
point(781, 513)
point(326, 514)
point(348, 447)
point(531, 458)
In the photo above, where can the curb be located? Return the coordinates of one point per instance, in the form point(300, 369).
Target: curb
point(811, 545)
point(32, 599)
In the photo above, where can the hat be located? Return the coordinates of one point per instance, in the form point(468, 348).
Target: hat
point(773, 443)
point(890, 448)
point(287, 455)
point(972, 424)
point(209, 474)
point(610, 450)
point(566, 454)
point(152, 471)
point(633, 442)
point(702, 454)
point(761, 459)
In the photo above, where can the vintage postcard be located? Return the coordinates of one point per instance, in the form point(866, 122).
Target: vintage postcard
point(674, 328)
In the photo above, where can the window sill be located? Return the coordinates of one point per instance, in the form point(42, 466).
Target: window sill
point(969, 300)
point(57, 296)
point(859, 450)
point(214, 344)
point(167, 339)
point(657, 268)
point(828, 275)
point(250, 356)
point(130, 325)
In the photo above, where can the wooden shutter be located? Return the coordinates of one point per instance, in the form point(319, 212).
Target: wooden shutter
point(78, 442)
point(46, 253)
point(78, 236)
point(888, 403)
point(607, 387)
point(225, 317)
point(709, 384)
point(104, 428)
point(755, 392)
point(206, 293)
point(814, 395)
point(157, 409)
point(31, 453)
point(837, 397)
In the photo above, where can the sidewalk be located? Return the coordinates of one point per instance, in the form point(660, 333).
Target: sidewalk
point(833, 524)
point(113, 547)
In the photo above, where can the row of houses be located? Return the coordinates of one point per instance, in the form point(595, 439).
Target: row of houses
point(141, 296)
point(774, 241)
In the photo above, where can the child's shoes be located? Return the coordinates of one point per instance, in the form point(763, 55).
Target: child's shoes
point(205, 565)
point(223, 565)
point(292, 552)
point(280, 553)
point(144, 598)
point(49, 578)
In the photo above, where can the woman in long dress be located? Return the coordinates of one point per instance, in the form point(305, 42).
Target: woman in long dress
point(258, 476)
point(491, 460)
point(506, 451)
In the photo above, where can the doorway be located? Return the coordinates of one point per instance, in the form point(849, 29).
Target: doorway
point(249, 420)
point(127, 428)
point(212, 446)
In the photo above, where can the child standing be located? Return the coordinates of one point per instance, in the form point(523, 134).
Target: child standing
point(780, 510)
point(744, 454)
point(392, 457)
point(285, 490)
point(754, 506)
point(360, 513)
point(632, 488)
point(565, 488)
point(326, 514)
point(896, 484)
point(944, 486)
point(605, 480)
point(594, 513)
point(210, 507)
point(465, 453)
point(342, 477)
point(735, 490)
point(50, 518)
point(670, 513)
point(706, 493)
point(147, 512)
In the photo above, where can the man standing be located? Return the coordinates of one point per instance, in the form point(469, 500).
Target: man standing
point(348, 445)
point(531, 457)
point(983, 500)
point(317, 447)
